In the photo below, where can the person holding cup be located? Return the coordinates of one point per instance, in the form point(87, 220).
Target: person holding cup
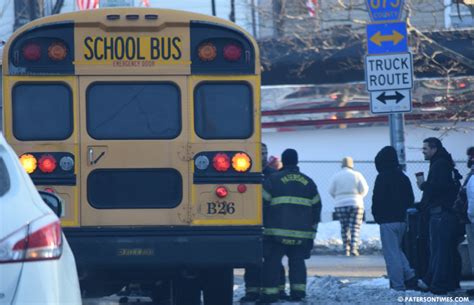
point(439, 193)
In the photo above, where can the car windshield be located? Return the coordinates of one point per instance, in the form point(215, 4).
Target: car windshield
point(4, 178)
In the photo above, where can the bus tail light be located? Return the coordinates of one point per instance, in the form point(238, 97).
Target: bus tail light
point(241, 188)
point(221, 162)
point(39, 240)
point(57, 51)
point(207, 51)
point(47, 164)
point(32, 51)
point(202, 162)
point(222, 192)
point(232, 52)
point(29, 162)
point(66, 163)
point(241, 162)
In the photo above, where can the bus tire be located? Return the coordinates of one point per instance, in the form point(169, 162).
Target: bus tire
point(218, 286)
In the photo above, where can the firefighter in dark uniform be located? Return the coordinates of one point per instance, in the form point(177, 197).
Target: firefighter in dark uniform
point(292, 211)
point(253, 274)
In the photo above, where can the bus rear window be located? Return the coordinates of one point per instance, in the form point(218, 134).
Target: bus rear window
point(127, 111)
point(223, 111)
point(42, 112)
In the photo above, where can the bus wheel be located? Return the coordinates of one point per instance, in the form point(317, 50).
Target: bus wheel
point(218, 286)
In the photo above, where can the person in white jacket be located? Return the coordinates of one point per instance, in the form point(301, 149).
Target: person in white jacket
point(348, 188)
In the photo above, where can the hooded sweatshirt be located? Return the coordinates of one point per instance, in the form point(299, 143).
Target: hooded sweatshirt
point(393, 192)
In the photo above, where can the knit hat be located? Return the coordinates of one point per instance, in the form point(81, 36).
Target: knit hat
point(289, 157)
point(348, 162)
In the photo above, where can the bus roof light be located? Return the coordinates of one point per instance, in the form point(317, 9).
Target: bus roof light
point(151, 17)
point(32, 51)
point(232, 52)
point(47, 163)
point(29, 162)
point(207, 52)
point(57, 51)
point(113, 17)
point(221, 162)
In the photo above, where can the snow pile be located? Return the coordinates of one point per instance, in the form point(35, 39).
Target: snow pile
point(333, 290)
point(328, 239)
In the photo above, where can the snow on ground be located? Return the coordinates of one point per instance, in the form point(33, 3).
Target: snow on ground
point(328, 239)
point(332, 290)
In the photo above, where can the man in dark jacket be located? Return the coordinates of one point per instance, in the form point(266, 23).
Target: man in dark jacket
point(392, 196)
point(439, 193)
point(292, 212)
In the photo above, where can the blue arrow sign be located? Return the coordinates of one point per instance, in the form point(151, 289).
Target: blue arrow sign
point(387, 38)
point(385, 10)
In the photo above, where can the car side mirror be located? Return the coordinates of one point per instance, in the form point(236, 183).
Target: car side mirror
point(53, 201)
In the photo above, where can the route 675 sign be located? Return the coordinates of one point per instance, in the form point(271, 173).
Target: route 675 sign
point(385, 10)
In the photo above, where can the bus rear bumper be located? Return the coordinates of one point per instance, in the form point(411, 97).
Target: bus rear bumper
point(170, 248)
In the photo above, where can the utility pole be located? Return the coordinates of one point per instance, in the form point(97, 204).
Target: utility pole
point(254, 19)
point(397, 136)
point(232, 11)
point(213, 5)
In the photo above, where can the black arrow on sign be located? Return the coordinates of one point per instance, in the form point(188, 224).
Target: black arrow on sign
point(384, 98)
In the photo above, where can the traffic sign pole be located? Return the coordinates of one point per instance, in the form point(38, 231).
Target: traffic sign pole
point(397, 136)
point(388, 68)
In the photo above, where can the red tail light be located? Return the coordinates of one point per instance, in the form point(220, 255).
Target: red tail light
point(222, 192)
point(47, 164)
point(40, 240)
point(32, 51)
point(242, 188)
point(232, 52)
point(221, 162)
point(49, 190)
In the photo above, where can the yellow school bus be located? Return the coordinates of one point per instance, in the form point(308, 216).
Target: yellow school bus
point(146, 122)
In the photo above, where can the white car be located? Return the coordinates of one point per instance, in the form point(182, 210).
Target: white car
point(36, 263)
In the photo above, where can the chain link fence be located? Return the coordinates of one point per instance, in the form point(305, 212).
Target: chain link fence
point(322, 172)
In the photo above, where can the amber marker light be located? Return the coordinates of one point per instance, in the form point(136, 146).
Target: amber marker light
point(29, 163)
point(57, 51)
point(241, 162)
point(207, 52)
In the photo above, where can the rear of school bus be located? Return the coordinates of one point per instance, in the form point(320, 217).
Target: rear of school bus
point(147, 123)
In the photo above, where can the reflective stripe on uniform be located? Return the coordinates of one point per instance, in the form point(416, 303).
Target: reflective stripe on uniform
point(266, 195)
point(252, 289)
point(292, 200)
point(316, 199)
point(270, 291)
point(281, 288)
point(298, 287)
point(289, 233)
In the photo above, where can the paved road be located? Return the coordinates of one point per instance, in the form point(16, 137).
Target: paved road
point(362, 267)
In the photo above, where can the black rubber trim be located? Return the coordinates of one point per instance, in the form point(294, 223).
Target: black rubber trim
point(249, 178)
point(71, 180)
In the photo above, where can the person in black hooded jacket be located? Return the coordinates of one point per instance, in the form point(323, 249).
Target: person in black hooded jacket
point(392, 195)
point(439, 193)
